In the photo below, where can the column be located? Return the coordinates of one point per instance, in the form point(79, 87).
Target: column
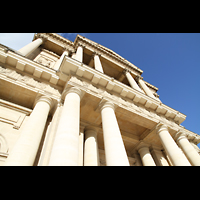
point(145, 88)
point(188, 149)
point(114, 147)
point(171, 148)
point(59, 61)
point(145, 155)
point(26, 147)
point(73, 55)
point(79, 53)
point(29, 48)
point(91, 152)
point(65, 149)
point(97, 63)
point(137, 157)
point(81, 146)
point(159, 157)
point(49, 137)
point(132, 82)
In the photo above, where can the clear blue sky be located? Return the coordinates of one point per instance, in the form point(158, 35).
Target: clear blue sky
point(170, 61)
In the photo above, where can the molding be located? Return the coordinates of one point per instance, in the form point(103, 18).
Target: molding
point(120, 102)
point(15, 107)
point(72, 90)
point(107, 52)
point(104, 104)
point(160, 127)
point(110, 85)
point(44, 98)
point(192, 137)
point(22, 63)
point(26, 81)
point(55, 37)
point(16, 114)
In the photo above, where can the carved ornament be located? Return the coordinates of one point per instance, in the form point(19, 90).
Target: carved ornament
point(28, 81)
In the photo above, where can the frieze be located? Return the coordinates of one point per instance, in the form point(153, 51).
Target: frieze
point(126, 104)
point(57, 39)
point(28, 81)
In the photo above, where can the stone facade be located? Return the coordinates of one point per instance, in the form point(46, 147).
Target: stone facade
point(80, 103)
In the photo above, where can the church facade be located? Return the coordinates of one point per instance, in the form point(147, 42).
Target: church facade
point(81, 104)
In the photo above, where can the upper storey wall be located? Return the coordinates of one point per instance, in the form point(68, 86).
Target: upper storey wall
point(113, 64)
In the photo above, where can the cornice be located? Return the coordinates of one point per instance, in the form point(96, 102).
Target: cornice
point(151, 86)
point(80, 39)
point(82, 70)
point(108, 52)
point(55, 37)
point(28, 82)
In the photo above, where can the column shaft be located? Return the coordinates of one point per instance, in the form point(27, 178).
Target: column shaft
point(146, 157)
point(79, 54)
point(97, 63)
point(159, 158)
point(66, 144)
point(189, 150)
point(132, 82)
point(49, 138)
point(25, 149)
point(171, 148)
point(146, 89)
point(91, 152)
point(29, 48)
point(81, 146)
point(59, 61)
point(114, 147)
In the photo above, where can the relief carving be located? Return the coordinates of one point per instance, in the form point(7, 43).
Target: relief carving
point(28, 81)
point(45, 62)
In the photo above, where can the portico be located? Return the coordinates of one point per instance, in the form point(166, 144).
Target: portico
point(81, 104)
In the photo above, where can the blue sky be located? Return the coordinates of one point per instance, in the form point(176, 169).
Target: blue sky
point(170, 61)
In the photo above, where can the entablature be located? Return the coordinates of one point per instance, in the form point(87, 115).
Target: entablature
point(55, 42)
point(109, 86)
point(107, 53)
point(114, 63)
point(70, 65)
point(88, 44)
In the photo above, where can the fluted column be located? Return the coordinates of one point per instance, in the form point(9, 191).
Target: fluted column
point(171, 148)
point(114, 147)
point(59, 61)
point(79, 53)
point(145, 88)
point(91, 152)
point(25, 149)
point(188, 149)
point(65, 149)
point(131, 81)
point(145, 155)
point(29, 48)
point(97, 63)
